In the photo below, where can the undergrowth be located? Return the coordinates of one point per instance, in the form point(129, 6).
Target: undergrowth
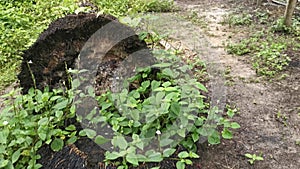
point(268, 48)
point(161, 104)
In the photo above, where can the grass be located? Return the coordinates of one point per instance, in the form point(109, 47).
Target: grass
point(20, 25)
point(22, 22)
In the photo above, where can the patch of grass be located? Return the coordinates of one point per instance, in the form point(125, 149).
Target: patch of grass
point(20, 25)
point(237, 19)
point(271, 59)
point(120, 8)
point(268, 52)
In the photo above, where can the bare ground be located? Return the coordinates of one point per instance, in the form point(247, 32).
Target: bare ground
point(269, 111)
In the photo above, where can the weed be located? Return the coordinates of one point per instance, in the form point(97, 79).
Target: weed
point(253, 158)
point(270, 59)
point(30, 121)
point(195, 18)
point(184, 159)
point(237, 20)
point(158, 96)
point(282, 118)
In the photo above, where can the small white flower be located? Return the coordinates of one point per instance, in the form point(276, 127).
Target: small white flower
point(158, 132)
point(5, 123)
point(30, 61)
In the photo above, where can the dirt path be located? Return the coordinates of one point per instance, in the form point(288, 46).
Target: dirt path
point(268, 110)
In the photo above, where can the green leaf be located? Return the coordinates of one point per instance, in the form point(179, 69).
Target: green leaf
point(188, 162)
point(42, 135)
point(43, 121)
point(183, 154)
point(72, 140)
point(259, 158)
point(105, 105)
point(181, 132)
point(90, 133)
point(59, 114)
point(195, 136)
point(193, 155)
point(154, 84)
point(15, 156)
point(82, 133)
point(154, 157)
point(162, 65)
point(100, 140)
point(145, 84)
point(57, 144)
point(3, 136)
point(214, 138)
point(168, 152)
point(71, 127)
point(180, 165)
point(227, 134)
point(159, 97)
point(119, 141)
point(171, 89)
point(248, 155)
point(235, 125)
point(75, 83)
point(201, 87)
point(61, 105)
point(112, 155)
point(166, 84)
point(132, 158)
point(3, 163)
point(165, 142)
point(169, 72)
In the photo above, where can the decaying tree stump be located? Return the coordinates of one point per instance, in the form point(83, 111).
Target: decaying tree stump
point(58, 47)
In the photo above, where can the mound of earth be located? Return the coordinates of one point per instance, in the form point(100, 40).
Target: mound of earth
point(58, 48)
point(104, 51)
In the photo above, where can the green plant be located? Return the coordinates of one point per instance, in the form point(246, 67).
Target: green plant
point(237, 20)
point(278, 26)
point(120, 8)
point(152, 38)
point(282, 118)
point(159, 104)
point(184, 159)
point(31, 121)
point(253, 158)
point(270, 59)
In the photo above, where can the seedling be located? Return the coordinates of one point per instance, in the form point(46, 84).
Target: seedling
point(253, 158)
